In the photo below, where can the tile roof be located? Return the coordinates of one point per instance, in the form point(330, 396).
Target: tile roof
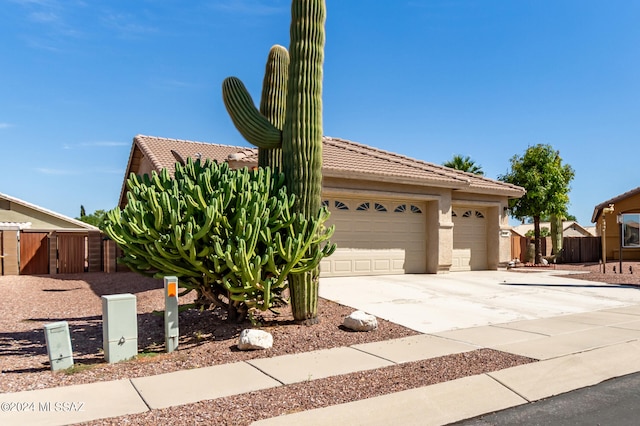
point(341, 158)
point(523, 228)
point(597, 209)
point(73, 223)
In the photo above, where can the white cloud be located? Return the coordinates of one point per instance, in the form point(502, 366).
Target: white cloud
point(127, 25)
point(5, 125)
point(57, 172)
point(249, 7)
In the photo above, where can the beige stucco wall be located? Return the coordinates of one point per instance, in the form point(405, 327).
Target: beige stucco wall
point(628, 205)
point(498, 229)
point(39, 220)
point(439, 203)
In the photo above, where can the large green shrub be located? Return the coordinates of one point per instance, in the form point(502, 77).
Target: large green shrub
point(229, 235)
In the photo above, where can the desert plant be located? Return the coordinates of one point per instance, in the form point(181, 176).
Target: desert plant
point(300, 137)
point(229, 235)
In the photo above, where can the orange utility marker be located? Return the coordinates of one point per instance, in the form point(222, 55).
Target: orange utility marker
point(171, 333)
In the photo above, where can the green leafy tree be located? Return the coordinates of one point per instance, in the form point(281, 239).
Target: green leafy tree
point(230, 235)
point(544, 232)
point(549, 218)
point(465, 164)
point(96, 218)
point(541, 173)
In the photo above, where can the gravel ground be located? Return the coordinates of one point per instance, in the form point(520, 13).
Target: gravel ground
point(593, 272)
point(207, 339)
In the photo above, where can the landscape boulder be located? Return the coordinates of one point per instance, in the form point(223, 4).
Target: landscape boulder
point(251, 339)
point(360, 321)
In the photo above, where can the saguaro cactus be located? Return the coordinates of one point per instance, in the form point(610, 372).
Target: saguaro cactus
point(301, 135)
point(273, 101)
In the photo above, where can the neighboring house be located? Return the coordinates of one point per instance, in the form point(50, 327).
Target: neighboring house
point(393, 214)
point(624, 220)
point(34, 240)
point(570, 228)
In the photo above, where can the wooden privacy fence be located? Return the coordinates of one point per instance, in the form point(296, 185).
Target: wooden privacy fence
point(56, 252)
point(580, 249)
point(520, 247)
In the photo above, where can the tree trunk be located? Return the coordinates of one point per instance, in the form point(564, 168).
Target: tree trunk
point(556, 235)
point(536, 230)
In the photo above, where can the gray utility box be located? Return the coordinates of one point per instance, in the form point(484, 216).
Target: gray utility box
point(58, 339)
point(119, 327)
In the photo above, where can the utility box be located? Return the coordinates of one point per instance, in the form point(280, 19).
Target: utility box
point(171, 333)
point(119, 327)
point(58, 339)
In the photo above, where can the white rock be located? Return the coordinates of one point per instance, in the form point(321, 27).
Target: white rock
point(360, 321)
point(254, 339)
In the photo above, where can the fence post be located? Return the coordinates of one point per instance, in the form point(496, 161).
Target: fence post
point(94, 247)
point(53, 253)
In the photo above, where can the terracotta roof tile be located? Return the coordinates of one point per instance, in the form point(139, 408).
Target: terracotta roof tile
point(341, 158)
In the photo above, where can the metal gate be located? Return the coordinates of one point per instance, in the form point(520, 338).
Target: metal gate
point(71, 253)
point(34, 254)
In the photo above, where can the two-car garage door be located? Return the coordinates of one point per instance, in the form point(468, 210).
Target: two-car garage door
point(376, 237)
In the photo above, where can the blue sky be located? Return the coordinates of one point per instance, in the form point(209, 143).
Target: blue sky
point(427, 79)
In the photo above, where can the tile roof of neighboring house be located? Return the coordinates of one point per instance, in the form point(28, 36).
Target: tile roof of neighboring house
point(598, 209)
point(341, 158)
point(77, 223)
point(522, 229)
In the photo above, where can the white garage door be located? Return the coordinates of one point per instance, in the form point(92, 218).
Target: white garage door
point(469, 239)
point(376, 238)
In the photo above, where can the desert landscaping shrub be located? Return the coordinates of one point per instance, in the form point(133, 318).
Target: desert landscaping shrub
point(229, 235)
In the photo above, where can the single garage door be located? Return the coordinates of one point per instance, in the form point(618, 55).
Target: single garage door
point(376, 237)
point(469, 239)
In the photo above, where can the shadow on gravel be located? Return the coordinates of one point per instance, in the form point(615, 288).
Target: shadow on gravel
point(103, 284)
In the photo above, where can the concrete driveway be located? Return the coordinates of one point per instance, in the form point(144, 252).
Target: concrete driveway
point(433, 303)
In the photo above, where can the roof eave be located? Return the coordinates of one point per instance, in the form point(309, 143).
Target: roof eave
point(350, 174)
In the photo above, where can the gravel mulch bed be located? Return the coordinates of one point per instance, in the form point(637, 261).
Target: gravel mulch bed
point(241, 410)
point(30, 302)
point(593, 272)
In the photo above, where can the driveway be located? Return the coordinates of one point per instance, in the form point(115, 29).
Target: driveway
point(433, 303)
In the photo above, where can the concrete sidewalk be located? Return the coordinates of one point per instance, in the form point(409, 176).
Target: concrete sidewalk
point(576, 350)
point(597, 339)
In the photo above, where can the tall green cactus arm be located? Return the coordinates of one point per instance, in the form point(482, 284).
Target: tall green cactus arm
point(273, 100)
point(253, 126)
point(302, 133)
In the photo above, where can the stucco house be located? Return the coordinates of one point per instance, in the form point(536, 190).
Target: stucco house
point(393, 214)
point(625, 220)
point(35, 240)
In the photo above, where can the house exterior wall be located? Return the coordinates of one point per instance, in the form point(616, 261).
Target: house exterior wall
point(498, 229)
point(440, 227)
point(39, 220)
point(627, 205)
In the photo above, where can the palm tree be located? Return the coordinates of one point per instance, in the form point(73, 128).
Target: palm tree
point(465, 164)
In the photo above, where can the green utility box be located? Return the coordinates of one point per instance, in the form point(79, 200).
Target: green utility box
point(58, 339)
point(119, 327)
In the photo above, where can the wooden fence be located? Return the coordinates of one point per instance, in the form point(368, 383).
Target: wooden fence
point(56, 252)
point(580, 249)
point(574, 249)
point(520, 248)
